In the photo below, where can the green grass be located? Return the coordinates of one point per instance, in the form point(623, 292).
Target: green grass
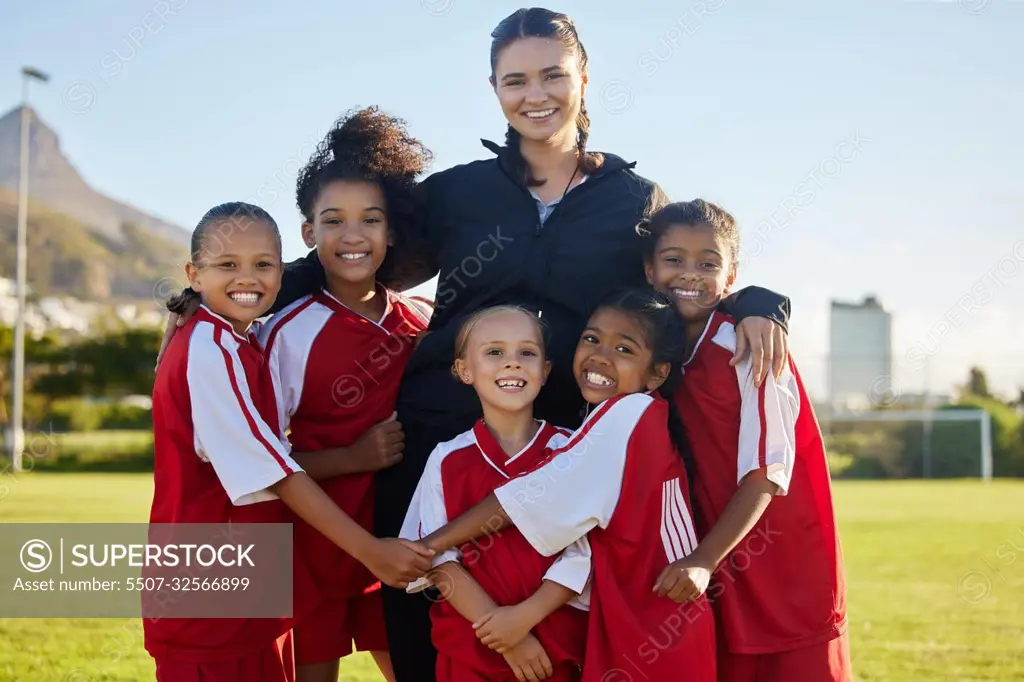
point(935, 581)
point(101, 450)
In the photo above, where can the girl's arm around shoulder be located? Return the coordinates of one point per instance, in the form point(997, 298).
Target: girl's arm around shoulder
point(761, 318)
point(756, 301)
point(577, 488)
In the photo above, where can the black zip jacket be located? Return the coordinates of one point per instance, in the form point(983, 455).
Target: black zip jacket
point(482, 235)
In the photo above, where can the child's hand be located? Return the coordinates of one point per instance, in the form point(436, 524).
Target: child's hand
point(529, 661)
point(381, 446)
point(398, 562)
point(503, 628)
point(683, 580)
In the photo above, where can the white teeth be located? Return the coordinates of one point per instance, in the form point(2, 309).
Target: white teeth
point(599, 379)
point(539, 114)
point(686, 293)
point(511, 383)
point(245, 297)
point(353, 256)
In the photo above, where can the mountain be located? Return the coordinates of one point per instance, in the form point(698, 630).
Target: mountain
point(66, 257)
point(81, 243)
point(55, 183)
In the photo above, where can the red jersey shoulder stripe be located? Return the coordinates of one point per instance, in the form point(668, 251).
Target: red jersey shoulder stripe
point(277, 323)
point(762, 441)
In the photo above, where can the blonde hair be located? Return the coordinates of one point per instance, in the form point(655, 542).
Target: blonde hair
point(462, 338)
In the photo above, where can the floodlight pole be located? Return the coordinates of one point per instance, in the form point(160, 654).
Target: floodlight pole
point(16, 437)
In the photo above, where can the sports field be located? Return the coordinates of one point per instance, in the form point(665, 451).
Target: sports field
point(935, 578)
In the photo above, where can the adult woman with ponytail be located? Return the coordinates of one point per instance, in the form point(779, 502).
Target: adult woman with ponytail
point(547, 224)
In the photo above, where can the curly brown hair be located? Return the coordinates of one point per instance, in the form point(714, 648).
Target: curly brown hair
point(367, 145)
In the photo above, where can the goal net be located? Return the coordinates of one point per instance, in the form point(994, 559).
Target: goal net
point(909, 444)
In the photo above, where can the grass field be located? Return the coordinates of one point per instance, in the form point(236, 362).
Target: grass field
point(934, 584)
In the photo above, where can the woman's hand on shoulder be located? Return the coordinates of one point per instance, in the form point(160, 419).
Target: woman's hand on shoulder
point(767, 345)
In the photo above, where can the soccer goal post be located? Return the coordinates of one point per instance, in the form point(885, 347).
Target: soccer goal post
point(928, 438)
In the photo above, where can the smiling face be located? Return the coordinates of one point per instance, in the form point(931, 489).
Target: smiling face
point(238, 270)
point(613, 357)
point(693, 266)
point(503, 359)
point(349, 230)
point(540, 88)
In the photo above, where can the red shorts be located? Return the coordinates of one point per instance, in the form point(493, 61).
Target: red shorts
point(327, 633)
point(448, 670)
point(273, 663)
point(825, 662)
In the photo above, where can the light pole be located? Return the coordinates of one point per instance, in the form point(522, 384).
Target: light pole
point(17, 433)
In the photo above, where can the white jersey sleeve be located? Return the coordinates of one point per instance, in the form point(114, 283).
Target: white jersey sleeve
point(573, 566)
point(578, 488)
point(246, 454)
point(427, 512)
point(288, 340)
point(768, 425)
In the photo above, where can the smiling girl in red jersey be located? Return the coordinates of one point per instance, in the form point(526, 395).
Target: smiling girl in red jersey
point(762, 490)
point(336, 358)
point(503, 589)
point(619, 481)
point(218, 458)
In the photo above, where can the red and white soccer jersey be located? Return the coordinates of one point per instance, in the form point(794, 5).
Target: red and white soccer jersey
point(459, 474)
point(216, 451)
point(621, 480)
point(782, 587)
point(336, 374)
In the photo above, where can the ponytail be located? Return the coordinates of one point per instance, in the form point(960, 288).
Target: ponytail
point(588, 162)
point(179, 304)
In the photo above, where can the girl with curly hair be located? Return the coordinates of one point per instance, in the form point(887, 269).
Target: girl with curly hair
point(336, 356)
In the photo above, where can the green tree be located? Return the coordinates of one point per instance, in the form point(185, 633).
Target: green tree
point(977, 384)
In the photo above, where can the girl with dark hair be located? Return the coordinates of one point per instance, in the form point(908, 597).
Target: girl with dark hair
point(760, 475)
point(218, 458)
point(621, 483)
point(336, 357)
point(547, 224)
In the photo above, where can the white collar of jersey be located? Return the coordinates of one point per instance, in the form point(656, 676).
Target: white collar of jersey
point(225, 321)
point(707, 326)
point(387, 305)
point(494, 442)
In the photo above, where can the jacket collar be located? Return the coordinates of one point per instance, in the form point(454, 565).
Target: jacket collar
point(612, 163)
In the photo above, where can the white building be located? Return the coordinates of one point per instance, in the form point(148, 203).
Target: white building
point(860, 356)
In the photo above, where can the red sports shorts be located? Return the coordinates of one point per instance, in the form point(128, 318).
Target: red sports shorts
point(825, 662)
point(274, 663)
point(329, 632)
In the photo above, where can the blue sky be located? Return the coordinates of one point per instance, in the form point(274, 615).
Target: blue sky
point(865, 147)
